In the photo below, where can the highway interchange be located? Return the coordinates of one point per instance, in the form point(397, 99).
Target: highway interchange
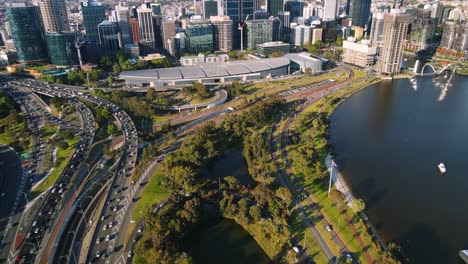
point(70, 207)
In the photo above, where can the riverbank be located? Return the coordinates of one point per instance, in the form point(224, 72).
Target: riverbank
point(312, 128)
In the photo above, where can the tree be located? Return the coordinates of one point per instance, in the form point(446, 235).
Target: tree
point(201, 90)
point(111, 129)
point(255, 212)
point(285, 195)
point(150, 93)
point(116, 68)
point(63, 145)
point(276, 54)
point(358, 205)
point(339, 42)
point(110, 81)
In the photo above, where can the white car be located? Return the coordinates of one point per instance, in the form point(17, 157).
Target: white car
point(98, 240)
point(104, 227)
point(328, 228)
point(107, 238)
point(130, 253)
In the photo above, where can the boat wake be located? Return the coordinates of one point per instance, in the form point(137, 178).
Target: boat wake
point(443, 92)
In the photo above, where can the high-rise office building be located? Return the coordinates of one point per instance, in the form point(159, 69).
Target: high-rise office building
point(222, 32)
point(455, 36)
point(330, 9)
point(210, 8)
point(123, 20)
point(394, 34)
point(295, 8)
point(93, 14)
point(275, 6)
point(360, 12)
point(199, 37)
point(258, 4)
point(146, 27)
point(308, 10)
point(27, 33)
point(62, 49)
point(168, 32)
point(421, 29)
point(8, 28)
point(135, 30)
point(238, 10)
point(258, 32)
point(276, 25)
point(300, 35)
point(261, 14)
point(109, 37)
point(285, 28)
point(316, 35)
point(377, 28)
point(156, 9)
point(54, 15)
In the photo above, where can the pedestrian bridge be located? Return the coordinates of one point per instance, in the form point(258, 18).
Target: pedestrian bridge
point(428, 69)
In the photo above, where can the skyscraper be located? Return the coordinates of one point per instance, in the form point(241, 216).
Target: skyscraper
point(455, 36)
point(199, 37)
point(238, 10)
point(210, 8)
point(360, 12)
point(258, 32)
point(285, 26)
point(109, 37)
point(222, 32)
point(146, 26)
point(394, 33)
point(135, 30)
point(27, 33)
point(295, 8)
point(93, 14)
point(421, 29)
point(275, 6)
point(54, 15)
point(62, 48)
point(123, 20)
point(377, 28)
point(168, 32)
point(330, 9)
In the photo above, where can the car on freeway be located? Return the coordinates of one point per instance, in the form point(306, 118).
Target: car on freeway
point(130, 254)
point(140, 229)
point(98, 240)
point(107, 238)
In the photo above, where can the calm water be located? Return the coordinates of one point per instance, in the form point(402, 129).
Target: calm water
point(230, 163)
point(388, 140)
point(225, 242)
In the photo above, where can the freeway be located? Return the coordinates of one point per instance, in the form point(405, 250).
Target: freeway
point(61, 192)
point(29, 176)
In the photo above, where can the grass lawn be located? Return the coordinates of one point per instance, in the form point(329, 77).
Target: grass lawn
point(319, 189)
point(63, 157)
point(152, 193)
point(163, 118)
point(47, 130)
point(7, 138)
point(299, 232)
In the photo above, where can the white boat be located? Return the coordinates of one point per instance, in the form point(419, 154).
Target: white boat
point(442, 168)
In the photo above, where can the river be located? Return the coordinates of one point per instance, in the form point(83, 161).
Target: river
point(225, 242)
point(388, 140)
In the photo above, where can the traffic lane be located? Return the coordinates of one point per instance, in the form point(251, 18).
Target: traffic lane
point(47, 212)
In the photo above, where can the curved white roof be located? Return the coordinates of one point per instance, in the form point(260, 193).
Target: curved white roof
point(204, 70)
